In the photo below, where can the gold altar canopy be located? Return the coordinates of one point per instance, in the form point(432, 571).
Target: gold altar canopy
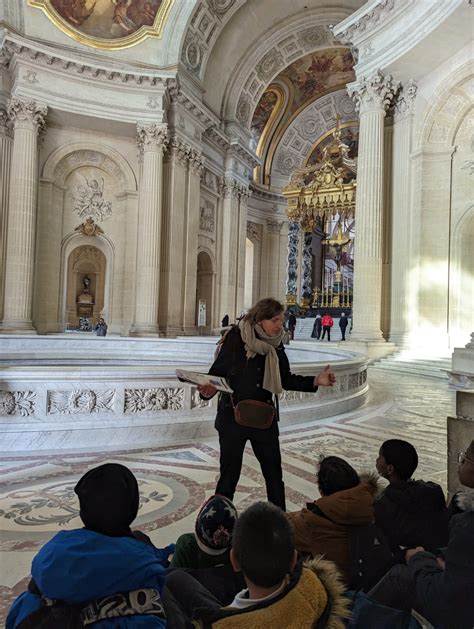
point(323, 190)
point(321, 198)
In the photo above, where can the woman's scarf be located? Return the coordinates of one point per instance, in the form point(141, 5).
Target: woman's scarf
point(264, 345)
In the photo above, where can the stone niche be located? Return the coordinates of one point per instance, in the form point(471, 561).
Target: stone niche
point(86, 271)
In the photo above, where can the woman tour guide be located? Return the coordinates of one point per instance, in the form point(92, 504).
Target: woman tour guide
point(252, 358)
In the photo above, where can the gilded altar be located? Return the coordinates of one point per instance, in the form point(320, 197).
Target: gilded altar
point(321, 209)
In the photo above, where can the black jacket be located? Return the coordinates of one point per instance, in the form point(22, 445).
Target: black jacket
point(413, 513)
point(448, 593)
point(245, 376)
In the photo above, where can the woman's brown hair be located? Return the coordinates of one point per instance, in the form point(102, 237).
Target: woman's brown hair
point(264, 309)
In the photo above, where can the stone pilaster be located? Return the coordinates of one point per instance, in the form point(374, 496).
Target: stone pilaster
point(402, 300)
point(292, 260)
point(241, 250)
point(195, 168)
point(231, 245)
point(5, 162)
point(28, 119)
point(152, 140)
point(273, 236)
point(373, 95)
point(174, 218)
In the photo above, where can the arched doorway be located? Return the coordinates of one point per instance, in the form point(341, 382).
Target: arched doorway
point(85, 288)
point(205, 289)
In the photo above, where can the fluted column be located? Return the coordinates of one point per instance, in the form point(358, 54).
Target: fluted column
point(195, 168)
point(152, 140)
point(373, 95)
point(174, 219)
point(229, 251)
point(402, 300)
point(28, 119)
point(273, 284)
point(5, 162)
point(241, 249)
point(292, 267)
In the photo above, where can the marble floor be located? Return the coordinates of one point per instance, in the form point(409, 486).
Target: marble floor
point(37, 497)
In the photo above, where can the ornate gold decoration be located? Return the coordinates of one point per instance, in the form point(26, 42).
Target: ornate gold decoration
point(89, 228)
point(97, 42)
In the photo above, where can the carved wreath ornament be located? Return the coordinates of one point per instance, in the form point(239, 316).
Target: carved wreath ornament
point(17, 403)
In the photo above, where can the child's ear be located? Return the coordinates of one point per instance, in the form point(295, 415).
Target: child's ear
point(233, 561)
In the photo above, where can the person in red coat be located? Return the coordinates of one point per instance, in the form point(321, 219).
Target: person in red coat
point(327, 323)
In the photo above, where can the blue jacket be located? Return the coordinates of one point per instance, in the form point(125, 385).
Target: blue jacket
point(79, 566)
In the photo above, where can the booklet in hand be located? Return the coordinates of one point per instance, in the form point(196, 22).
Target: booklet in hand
point(194, 377)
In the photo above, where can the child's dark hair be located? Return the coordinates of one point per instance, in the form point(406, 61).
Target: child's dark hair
point(402, 455)
point(335, 474)
point(263, 544)
point(266, 308)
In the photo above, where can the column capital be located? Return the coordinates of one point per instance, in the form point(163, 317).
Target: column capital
point(152, 136)
point(5, 123)
point(230, 186)
point(179, 151)
point(196, 162)
point(27, 114)
point(374, 93)
point(274, 226)
point(405, 101)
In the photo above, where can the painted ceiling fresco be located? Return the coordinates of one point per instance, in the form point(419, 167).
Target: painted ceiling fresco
point(305, 79)
point(108, 19)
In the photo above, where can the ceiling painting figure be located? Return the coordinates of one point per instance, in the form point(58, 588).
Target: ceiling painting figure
point(107, 23)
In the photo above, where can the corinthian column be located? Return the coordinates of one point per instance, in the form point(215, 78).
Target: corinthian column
point(5, 162)
point(273, 285)
point(152, 140)
point(402, 300)
point(373, 95)
point(231, 190)
point(307, 270)
point(28, 121)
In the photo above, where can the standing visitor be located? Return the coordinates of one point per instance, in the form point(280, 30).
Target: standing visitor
point(291, 323)
point(316, 333)
point(253, 359)
point(327, 323)
point(343, 325)
point(101, 328)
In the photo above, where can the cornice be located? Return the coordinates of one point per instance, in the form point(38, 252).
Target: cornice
point(237, 149)
point(217, 137)
point(369, 17)
point(197, 109)
point(262, 193)
point(15, 48)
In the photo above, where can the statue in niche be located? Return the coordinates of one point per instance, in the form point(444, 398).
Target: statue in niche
point(85, 297)
point(89, 200)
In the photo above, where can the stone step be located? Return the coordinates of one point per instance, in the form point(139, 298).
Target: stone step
point(430, 367)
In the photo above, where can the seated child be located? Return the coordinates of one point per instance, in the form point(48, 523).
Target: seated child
point(280, 591)
point(103, 573)
point(439, 588)
point(209, 545)
point(409, 512)
point(324, 526)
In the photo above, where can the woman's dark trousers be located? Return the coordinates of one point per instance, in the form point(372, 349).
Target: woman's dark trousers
point(266, 447)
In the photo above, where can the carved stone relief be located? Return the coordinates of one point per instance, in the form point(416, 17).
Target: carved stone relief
point(17, 403)
point(253, 231)
point(207, 216)
point(89, 157)
point(89, 198)
point(143, 400)
point(80, 401)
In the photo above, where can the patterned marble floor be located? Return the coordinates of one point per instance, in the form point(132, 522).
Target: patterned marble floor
point(37, 497)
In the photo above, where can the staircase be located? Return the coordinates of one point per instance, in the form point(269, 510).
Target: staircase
point(405, 362)
point(304, 327)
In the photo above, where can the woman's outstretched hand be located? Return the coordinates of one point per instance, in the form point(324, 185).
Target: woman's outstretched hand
point(326, 378)
point(207, 390)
